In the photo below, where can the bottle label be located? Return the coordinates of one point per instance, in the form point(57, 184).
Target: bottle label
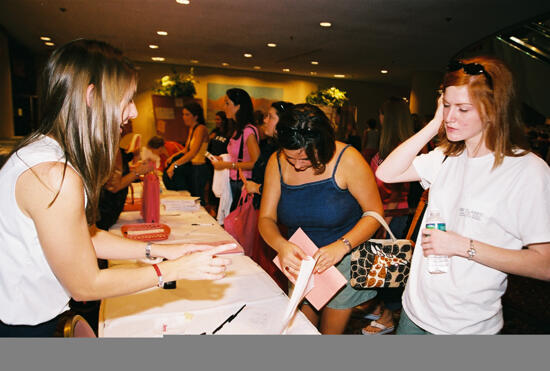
point(440, 226)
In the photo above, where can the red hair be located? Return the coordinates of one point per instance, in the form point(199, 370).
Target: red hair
point(496, 102)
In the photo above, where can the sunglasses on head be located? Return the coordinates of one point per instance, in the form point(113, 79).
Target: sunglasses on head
point(306, 132)
point(471, 69)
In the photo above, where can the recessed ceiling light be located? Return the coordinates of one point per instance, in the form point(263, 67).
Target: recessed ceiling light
point(314, 62)
point(45, 38)
point(49, 43)
point(225, 64)
point(339, 76)
point(158, 59)
point(152, 46)
point(383, 71)
point(194, 61)
point(286, 69)
point(162, 33)
point(183, 2)
point(325, 24)
point(257, 67)
point(247, 55)
point(313, 73)
point(272, 45)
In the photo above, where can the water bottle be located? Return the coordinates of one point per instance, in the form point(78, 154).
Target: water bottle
point(437, 263)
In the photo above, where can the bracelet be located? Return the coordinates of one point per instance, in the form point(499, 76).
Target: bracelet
point(159, 274)
point(148, 250)
point(472, 250)
point(347, 243)
point(233, 166)
point(175, 166)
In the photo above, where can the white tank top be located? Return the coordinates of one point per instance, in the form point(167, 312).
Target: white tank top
point(30, 293)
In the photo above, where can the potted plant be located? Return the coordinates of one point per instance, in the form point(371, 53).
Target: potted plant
point(177, 85)
point(331, 97)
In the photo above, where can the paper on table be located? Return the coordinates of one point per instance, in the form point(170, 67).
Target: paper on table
point(328, 283)
point(304, 284)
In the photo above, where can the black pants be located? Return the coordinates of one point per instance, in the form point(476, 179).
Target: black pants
point(45, 329)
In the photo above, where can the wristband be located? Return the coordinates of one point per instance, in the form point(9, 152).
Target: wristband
point(159, 274)
point(148, 250)
point(233, 166)
point(175, 166)
point(347, 243)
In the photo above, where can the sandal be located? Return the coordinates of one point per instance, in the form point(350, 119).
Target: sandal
point(379, 329)
point(372, 316)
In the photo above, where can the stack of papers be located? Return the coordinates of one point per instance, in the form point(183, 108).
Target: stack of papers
point(170, 204)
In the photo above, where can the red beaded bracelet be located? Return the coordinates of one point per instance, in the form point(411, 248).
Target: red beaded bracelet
point(159, 274)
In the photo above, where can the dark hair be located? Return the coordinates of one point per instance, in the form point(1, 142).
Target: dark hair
point(196, 110)
point(282, 107)
point(88, 134)
point(493, 94)
point(155, 142)
point(306, 126)
point(245, 113)
point(224, 127)
point(258, 118)
point(371, 123)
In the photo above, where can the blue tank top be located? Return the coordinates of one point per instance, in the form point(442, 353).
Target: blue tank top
point(322, 209)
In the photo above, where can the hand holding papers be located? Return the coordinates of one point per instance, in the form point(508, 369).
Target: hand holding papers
point(327, 284)
point(303, 285)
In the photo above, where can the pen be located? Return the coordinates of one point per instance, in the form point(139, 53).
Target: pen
point(204, 224)
point(229, 319)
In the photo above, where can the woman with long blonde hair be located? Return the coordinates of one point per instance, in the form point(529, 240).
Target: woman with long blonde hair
point(49, 190)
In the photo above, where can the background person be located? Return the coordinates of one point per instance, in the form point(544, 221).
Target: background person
point(164, 149)
point(49, 190)
point(322, 186)
point(492, 193)
point(243, 145)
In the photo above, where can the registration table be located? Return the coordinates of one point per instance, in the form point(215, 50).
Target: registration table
point(197, 307)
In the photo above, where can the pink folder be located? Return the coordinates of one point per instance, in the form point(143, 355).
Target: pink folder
point(327, 284)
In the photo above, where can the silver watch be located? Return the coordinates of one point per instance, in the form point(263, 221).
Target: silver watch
point(471, 251)
point(148, 250)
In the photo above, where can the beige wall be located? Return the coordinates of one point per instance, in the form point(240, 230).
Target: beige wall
point(6, 102)
point(366, 96)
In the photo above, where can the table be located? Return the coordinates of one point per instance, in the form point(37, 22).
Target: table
point(195, 307)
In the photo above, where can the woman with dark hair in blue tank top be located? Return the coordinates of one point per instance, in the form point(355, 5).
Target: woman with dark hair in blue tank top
point(322, 186)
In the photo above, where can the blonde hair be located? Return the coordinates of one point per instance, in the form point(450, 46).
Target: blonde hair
point(396, 127)
point(494, 97)
point(88, 132)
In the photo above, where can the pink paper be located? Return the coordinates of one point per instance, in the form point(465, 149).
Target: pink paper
point(327, 284)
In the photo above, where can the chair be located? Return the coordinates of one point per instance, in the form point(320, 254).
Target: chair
point(74, 325)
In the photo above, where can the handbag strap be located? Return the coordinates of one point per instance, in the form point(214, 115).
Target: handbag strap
point(380, 220)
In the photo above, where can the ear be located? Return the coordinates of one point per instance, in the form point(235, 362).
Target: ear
point(89, 97)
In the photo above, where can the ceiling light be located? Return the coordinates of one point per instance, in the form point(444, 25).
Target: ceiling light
point(325, 24)
point(384, 71)
point(162, 33)
point(313, 73)
point(45, 38)
point(49, 43)
point(314, 62)
point(286, 69)
point(183, 2)
point(257, 67)
point(339, 76)
point(272, 45)
point(158, 59)
point(225, 64)
point(247, 55)
point(194, 61)
point(152, 46)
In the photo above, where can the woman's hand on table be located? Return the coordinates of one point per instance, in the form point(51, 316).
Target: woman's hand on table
point(201, 265)
point(329, 255)
point(290, 257)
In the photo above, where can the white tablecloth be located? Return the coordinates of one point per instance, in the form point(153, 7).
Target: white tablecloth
point(195, 307)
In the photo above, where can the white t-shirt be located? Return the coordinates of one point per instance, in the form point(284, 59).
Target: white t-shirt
point(30, 293)
point(508, 207)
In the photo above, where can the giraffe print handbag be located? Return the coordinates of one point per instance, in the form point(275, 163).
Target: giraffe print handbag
point(380, 262)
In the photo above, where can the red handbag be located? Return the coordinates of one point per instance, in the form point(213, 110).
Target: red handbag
point(150, 204)
point(242, 223)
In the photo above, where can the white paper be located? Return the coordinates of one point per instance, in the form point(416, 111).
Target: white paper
point(303, 285)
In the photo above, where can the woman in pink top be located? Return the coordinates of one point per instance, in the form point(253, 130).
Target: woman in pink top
point(243, 145)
